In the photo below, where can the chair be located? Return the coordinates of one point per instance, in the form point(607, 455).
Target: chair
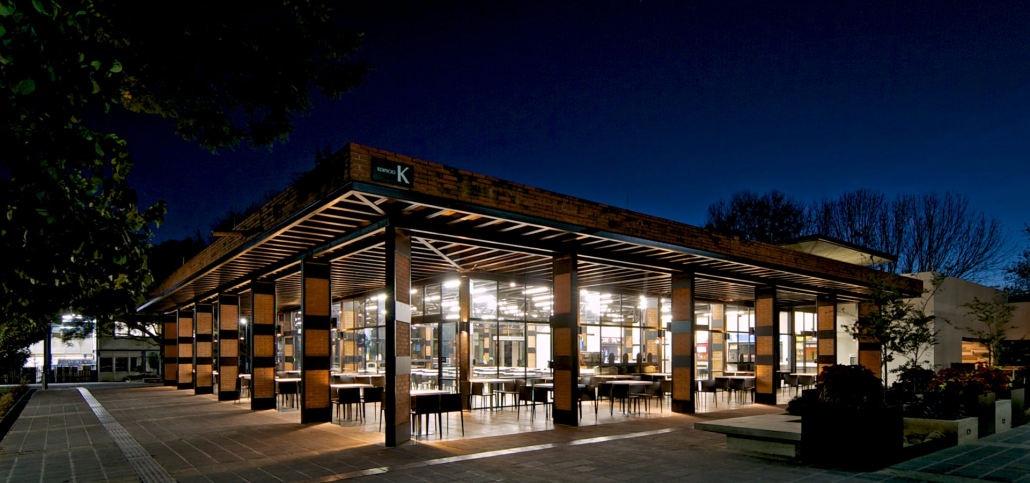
point(509, 388)
point(239, 384)
point(620, 392)
point(749, 387)
point(806, 381)
point(715, 386)
point(736, 387)
point(531, 395)
point(375, 396)
point(483, 391)
point(424, 406)
point(654, 391)
point(349, 396)
point(666, 389)
point(288, 391)
point(789, 381)
point(587, 393)
point(450, 403)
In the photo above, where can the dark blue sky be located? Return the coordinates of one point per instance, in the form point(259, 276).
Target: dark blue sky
point(671, 105)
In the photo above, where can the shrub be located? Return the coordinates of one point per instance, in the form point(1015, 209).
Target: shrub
point(959, 382)
point(850, 387)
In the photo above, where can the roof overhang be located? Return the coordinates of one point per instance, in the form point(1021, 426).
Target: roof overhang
point(834, 249)
point(465, 222)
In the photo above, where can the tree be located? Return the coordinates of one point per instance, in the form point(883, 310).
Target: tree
point(929, 232)
point(226, 74)
point(898, 324)
point(772, 217)
point(1018, 274)
point(994, 316)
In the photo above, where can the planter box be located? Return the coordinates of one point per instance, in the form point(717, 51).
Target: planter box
point(964, 431)
point(1002, 415)
point(856, 440)
point(982, 407)
point(1018, 407)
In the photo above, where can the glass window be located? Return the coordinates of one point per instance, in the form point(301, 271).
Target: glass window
point(539, 302)
point(416, 302)
point(106, 364)
point(432, 299)
point(121, 364)
point(511, 345)
point(484, 299)
point(589, 307)
point(483, 350)
point(511, 301)
point(449, 300)
point(538, 346)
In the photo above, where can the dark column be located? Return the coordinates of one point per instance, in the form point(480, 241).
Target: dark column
point(826, 318)
point(262, 345)
point(464, 338)
point(398, 336)
point(228, 346)
point(203, 320)
point(682, 328)
point(869, 347)
point(170, 350)
point(767, 350)
point(565, 330)
point(314, 356)
point(185, 349)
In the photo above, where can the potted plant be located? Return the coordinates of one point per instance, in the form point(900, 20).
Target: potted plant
point(849, 424)
point(973, 392)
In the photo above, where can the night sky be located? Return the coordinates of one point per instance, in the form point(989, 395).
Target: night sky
point(664, 107)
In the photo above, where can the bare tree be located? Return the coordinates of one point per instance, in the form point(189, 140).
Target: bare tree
point(930, 232)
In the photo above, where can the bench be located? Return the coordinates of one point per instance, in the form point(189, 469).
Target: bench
point(772, 434)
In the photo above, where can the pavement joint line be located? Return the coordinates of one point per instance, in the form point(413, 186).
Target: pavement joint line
point(486, 454)
point(927, 476)
point(146, 467)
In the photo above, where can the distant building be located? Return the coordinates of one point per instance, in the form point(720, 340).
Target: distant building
point(123, 354)
point(107, 357)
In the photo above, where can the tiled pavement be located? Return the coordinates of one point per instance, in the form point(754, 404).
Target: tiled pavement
point(196, 438)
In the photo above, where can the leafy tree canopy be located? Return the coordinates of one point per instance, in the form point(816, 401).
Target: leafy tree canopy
point(1019, 272)
point(772, 217)
point(226, 73)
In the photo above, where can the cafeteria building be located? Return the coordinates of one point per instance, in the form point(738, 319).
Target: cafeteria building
point(410, 278)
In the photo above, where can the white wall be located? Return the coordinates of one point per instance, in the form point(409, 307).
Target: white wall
point(847, 346)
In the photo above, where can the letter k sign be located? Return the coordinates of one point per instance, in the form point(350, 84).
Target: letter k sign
point(392, 172)
point(402, 174)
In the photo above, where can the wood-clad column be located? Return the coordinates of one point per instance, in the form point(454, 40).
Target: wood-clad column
point(228, 346)
point(185, 350)
point(826, 318)
point(170, 348)
point(767, 350)
point(464, 340)
point(398, 336)
point(203, 325)
point(262, 345)
point(717, 341)
point(565, 330)
point(869, 347)
point(314, 356)
point(683, 348)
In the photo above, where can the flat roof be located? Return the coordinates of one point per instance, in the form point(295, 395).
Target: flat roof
point(835, 249)
point(469, 222)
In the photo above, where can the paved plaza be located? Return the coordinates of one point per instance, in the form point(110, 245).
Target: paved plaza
point(133, 432)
